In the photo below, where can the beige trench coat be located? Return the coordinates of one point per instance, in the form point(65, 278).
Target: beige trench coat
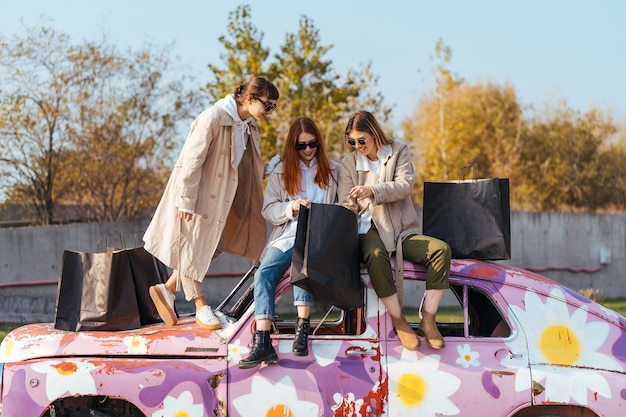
point(391, 206)
point(226, 199)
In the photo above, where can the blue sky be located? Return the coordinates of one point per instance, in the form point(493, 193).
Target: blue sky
point(549, 50)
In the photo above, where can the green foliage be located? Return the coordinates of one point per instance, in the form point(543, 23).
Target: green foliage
point(304, 76)
point(616, 304)
point(244, 55)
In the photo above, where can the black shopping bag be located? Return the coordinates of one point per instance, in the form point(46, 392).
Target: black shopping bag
point(325, 259)
point(96, 292)
point(472, 216)
point(146, 271)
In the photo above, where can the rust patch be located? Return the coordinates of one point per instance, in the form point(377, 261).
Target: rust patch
point(215, 380)
point(502, 373)
point(200, 349)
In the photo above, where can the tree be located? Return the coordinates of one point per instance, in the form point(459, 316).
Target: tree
point(561, 162)
point(86, 124)
point(310, 87)
point(34, 111)
point(463, 130)
point(245, 55)
point(305, 78)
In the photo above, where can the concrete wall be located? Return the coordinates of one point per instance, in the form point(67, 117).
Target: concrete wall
point(567, 247)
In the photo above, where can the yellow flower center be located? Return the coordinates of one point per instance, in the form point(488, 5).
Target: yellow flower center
point(560, 345)
point(411, 389)
point(66, 368)
point(8, 346)
point(467, 358)
point(279, 410)
point(182, 414)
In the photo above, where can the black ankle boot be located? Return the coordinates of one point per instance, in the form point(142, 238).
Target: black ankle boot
point(262, 351)
point(301, 339)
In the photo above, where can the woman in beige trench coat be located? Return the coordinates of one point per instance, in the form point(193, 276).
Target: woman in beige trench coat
point(376, 182)
point(213, 199)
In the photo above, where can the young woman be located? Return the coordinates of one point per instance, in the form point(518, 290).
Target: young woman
point(212, 201)
point(304, 175)
point(376, 182)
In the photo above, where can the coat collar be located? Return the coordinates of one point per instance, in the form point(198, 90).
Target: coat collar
point(227, 120)
point(362, 163)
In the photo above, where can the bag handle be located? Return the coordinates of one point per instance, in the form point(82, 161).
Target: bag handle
point(466, 169)
point(137, 241)
point(106, 240)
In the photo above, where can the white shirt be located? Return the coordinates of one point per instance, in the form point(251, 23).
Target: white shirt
point(311, 192)
point(366, 164)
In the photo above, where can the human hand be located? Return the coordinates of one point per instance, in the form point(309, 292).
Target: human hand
point(360, 192)
point(184, 215)
point(295, 204)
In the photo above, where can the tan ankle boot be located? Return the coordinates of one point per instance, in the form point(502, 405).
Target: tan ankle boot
point(428, 326)
point(407, 336)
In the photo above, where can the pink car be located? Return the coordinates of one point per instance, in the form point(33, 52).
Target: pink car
point(522, 346)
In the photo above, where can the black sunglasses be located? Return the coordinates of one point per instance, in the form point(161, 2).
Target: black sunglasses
point(268, 106)
point(302, 146)
point(352, 142)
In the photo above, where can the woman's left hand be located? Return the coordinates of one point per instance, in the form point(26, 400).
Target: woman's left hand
point(360, 192)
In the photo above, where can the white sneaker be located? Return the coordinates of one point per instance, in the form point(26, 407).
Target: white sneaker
point(205, 318)
point(163, 300)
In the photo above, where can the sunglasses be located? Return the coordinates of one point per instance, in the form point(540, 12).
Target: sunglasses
point(268, 106)
point(302, 146)
point(352, 142)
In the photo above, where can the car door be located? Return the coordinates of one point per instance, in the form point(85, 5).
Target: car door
point(340, 376)
point(472, 375)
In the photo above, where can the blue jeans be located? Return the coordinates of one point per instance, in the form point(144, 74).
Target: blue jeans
point(273, 265)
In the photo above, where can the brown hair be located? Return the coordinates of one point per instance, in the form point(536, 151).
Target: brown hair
point(257, 87)
point(364, 121)
point(292, 177)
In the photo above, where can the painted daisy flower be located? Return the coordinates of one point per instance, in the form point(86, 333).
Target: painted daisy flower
point(418, 387)
point(9, 349)
point(467, 357)
point(324, 351)
point(181, 406)
point(610, 313)
point(67, 376)
point(136, 344)
point(267, 400)
point(346, 404)
point(567, 343)
point(236, 351)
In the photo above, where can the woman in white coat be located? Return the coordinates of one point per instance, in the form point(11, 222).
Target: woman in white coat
point(304, 175)
point(212, 201)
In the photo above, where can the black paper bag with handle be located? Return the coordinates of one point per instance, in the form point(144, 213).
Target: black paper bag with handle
point(472, 216)
point(96, 291)
point(146, 271)
point(325, 259)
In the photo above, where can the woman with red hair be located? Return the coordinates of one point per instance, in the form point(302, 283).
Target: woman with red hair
point(303, 176)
